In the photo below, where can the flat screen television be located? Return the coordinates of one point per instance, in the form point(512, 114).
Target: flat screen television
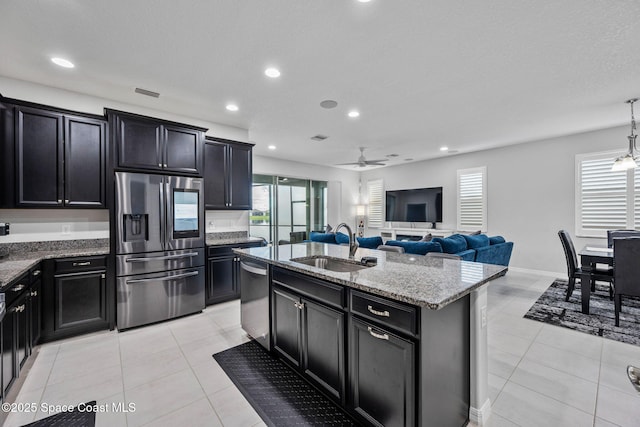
point(417, 205)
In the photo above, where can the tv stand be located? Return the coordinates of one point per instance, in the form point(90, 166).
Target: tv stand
point(411, 233)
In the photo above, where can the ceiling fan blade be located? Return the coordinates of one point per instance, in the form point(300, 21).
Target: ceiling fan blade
point(375, 164)
point(376, 161)
point(347, 164)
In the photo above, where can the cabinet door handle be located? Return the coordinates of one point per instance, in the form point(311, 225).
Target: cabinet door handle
point(165, 165)
point(36, 273)
point(378, 313)
point(299, 305)
point(159, 165)
point(66, 201)
point(18, 288)
point(34, 293)
point(81, 264)
point(104, 276)
point(59, 201)
point(19, 309)
point(376, 335)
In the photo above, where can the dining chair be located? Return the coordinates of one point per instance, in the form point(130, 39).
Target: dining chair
point(617, 234)
point(574, 270)
point(626, 271)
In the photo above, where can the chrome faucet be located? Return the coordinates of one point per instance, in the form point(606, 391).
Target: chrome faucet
point(353, 243)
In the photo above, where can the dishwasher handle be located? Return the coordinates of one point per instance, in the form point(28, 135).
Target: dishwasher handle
point(253, 268)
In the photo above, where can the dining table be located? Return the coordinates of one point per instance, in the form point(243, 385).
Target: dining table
point(590, 256)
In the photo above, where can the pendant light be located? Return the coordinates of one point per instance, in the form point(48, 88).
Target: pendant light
point(628, 161)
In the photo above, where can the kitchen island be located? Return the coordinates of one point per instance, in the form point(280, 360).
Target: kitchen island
point(401, 342)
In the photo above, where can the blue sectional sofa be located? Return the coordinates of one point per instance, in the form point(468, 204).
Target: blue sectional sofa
point(478, 248)
point(341, 238)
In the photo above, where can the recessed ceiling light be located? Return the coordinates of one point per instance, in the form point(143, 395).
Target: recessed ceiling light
point(408, 160)
point(232, 107)
point(444, 148)
point(272, 72)
point(328, 103)
point(271, 147)
point(364, 1)
point(353, 114)
point(62, 62)
point(392, 155)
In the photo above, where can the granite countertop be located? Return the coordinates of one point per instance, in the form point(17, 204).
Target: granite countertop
point(415, 279)
point(232, 241)
point(14, 265)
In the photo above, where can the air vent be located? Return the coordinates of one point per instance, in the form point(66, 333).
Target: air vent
point(147, 92)
point(319, 137)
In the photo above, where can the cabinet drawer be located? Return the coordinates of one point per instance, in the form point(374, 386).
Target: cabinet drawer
point(70, 265)
point(222, 250)
point(389, 313)
point(16, 288)
point(324, 291)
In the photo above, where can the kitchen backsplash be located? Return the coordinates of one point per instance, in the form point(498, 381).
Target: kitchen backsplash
point(33, 225)
point(219, 221)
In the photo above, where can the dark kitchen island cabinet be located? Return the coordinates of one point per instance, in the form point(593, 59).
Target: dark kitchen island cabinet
point(228, 174)
point(147, 144)
point(404, 338)
point(59, 158)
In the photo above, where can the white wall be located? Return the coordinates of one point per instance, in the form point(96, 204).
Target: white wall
point(340, 208)
point(531, 191)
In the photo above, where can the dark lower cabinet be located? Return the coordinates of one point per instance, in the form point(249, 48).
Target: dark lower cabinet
point(310, 336)
point(21, 313)
point(80, 301)
point(221, 279)
point(381, 375)
point(74, 297)
point(223, 272)
point(35, 309)
point(9, 372)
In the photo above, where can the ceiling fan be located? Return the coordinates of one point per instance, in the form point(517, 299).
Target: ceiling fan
point(362, 161)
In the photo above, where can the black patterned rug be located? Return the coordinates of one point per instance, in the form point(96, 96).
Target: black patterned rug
point(552, 308)
point(82, 416)
point(279, 395)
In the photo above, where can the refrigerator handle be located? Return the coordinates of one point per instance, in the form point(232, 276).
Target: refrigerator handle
point(163, 226)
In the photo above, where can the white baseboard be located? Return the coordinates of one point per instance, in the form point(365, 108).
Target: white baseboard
point(480, 416)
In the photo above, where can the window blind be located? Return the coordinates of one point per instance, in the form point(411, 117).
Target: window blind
point(472, 199)
point(605, 199)
point(376, 203)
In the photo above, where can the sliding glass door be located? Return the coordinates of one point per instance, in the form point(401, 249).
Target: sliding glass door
point(283, 205)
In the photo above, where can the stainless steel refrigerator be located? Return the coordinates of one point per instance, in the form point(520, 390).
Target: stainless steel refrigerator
point(160, 251)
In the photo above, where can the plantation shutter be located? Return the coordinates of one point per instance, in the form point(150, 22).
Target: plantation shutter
point(602, 199)
point(376, 203)
point(636, 199)
point(472, 199)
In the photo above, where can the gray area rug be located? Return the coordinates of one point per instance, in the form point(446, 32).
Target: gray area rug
point(552, 308)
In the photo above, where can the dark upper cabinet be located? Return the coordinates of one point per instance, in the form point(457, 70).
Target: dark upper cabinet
point(228, 174)
point(39, 146)
point(145, 143)
point(59, 159)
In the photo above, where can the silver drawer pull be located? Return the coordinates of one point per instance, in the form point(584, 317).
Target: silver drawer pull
point(34, 293)
point(81, 264)
point(376, 335)
point(36, 272)
point(378, 313)
point(161, 258)
point(164, 278)
point(18, 288)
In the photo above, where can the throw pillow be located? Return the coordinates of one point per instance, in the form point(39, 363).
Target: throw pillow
point(452, 244)
point(370, 242)
point(426, 238)
point(496, 240)
point(475, 241)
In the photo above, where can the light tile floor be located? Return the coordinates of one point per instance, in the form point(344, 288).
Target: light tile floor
point(539, 375)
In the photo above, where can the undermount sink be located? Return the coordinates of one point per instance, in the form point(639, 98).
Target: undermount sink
point(332, 264)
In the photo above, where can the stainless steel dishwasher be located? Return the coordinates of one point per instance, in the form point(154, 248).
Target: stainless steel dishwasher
point(254, 300)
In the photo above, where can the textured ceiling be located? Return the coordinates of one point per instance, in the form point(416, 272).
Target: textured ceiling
point(469, 75)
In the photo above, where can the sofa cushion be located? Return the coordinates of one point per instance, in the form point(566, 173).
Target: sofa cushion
point(417, 248)
point(322, 237)
point(499, 254)
point(452, 244)
point(494, 240)
point(468, 255)
point(342, 238)
point(476, 240)
point(370, 242)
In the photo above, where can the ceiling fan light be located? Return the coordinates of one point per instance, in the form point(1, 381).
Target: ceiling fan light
point(625, 162)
